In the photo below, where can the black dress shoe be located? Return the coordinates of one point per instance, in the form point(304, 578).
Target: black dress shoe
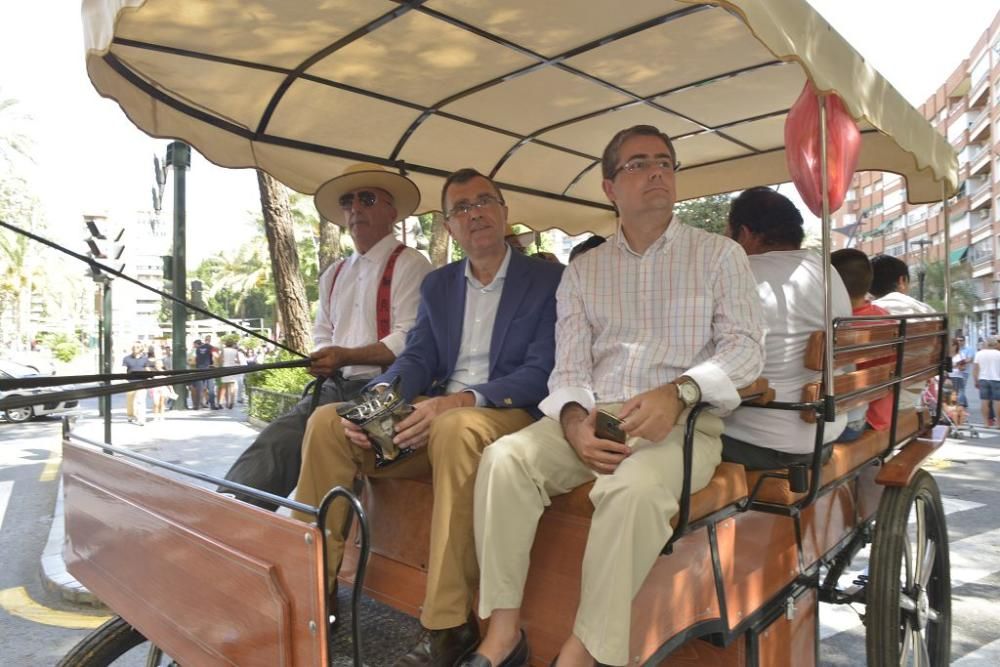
point(443, 648)
point(518, 657)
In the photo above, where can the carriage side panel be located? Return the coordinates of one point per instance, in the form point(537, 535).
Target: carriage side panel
point(206, 578)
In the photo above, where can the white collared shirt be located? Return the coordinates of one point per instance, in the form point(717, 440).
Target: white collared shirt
point(481, 303)
point(347, 316)
point(628, 323)
point(790, 285)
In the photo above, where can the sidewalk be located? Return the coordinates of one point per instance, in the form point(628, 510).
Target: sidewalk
point(205, 440)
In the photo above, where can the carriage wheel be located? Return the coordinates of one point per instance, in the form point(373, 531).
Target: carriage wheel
point(114, 640)
point(908, 601)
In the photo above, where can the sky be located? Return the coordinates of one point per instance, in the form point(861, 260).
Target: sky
point(89, 158)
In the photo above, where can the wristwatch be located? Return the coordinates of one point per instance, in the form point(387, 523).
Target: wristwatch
point(688, 391)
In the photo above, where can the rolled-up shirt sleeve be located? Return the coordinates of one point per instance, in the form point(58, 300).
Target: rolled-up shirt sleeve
point(571, 378)
point(410, 273)
point(738, 333)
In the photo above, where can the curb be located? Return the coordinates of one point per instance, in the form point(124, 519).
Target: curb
point(52, 570)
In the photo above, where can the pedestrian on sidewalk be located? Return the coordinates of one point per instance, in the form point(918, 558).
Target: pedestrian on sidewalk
point(135, 401)
point(229, 356)
point(986, 376)
point(161, 395)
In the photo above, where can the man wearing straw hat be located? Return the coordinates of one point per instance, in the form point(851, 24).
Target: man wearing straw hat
point(367, 304)
point(481, 353)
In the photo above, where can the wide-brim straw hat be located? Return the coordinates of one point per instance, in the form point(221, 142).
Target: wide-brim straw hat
point(405, 194)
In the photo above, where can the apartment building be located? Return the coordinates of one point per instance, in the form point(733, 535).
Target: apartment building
point(877, 218)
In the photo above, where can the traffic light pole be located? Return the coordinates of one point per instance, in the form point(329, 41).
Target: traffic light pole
point(179, 157)
point(106, 352)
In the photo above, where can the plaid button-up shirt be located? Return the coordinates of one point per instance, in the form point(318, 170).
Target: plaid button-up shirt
point(629, 323)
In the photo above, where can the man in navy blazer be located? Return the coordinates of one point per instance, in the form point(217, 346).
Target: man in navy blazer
point(479, 355)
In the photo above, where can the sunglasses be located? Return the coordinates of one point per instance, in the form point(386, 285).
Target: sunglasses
point(367, 197)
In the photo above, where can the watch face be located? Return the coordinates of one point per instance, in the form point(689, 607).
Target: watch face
point(688, 393)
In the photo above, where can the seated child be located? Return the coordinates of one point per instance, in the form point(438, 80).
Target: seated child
point(856, 272)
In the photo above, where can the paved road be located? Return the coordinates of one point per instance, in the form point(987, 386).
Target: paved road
point(38, 627)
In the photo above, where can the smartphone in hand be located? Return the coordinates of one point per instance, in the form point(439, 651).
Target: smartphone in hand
point(609, 427)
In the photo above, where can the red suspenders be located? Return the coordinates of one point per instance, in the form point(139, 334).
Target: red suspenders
point(383, 303)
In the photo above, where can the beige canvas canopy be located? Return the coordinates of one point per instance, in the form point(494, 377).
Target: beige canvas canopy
point(527, 91)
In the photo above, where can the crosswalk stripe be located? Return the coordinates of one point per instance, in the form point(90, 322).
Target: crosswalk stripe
point(984, 656)
point(972, 558)
point(6, 488)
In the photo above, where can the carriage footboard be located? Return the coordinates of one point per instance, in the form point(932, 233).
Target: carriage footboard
point(208, 579)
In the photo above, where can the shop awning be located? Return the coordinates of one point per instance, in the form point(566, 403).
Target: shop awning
point(957, 256)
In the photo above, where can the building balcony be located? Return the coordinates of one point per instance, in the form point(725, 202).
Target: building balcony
point(982, 267)
point(979, 129)
point(980, 93)
point(981, 196)
point(980, 162)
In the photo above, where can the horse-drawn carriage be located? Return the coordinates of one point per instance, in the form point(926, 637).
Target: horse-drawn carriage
point(529, 92)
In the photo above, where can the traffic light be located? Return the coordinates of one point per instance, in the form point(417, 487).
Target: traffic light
point(105, 243)
point(197, 293)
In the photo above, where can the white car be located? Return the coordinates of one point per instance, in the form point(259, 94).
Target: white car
point(10, 370)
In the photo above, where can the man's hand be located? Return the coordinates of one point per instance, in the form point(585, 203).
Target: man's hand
point(355, 434)
point(652, 414)
point(414, 431)
point(599, 455)
point(327, 360)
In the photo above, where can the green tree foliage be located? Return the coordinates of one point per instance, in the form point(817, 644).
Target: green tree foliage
point(239, 283)
point(708, 213)
point(962, 296)
point(281, 387)
point(64, 347)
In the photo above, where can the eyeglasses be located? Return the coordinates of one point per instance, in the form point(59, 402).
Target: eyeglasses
point(367, 197)
point(641, 164)
point(465, 208)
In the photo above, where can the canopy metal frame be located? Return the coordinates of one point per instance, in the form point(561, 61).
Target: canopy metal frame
point(300, 72)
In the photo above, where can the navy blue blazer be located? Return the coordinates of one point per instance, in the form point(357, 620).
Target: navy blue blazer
point(522, 348)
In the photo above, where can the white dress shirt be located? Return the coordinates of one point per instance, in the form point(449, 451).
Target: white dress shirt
point(347, 316)
point(628, 323)
point(898, 303)
point(481, 303)
point(790, 285)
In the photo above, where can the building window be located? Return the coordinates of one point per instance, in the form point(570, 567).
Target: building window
point(981, 251)
point(867, 191)
point(980, 69)
point(957, 127)
point(894, 198)
point(916, 215)
point(896, 250)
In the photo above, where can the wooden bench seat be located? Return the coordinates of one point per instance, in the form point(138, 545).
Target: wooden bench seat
point(846, 458)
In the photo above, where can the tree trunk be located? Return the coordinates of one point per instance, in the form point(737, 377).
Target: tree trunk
point(293, 309)
point(329, 244)
point(438, 248)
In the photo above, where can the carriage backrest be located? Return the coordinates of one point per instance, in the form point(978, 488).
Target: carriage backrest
point(876, 344)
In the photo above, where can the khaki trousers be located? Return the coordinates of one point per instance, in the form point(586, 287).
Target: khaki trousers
point(632, 509)
point(457, 440)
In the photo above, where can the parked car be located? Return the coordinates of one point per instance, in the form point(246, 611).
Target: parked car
point(12, 370)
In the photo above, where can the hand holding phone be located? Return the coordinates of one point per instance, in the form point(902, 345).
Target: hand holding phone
point(609, 427)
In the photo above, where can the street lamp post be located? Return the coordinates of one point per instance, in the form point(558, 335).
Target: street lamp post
point(179, 157)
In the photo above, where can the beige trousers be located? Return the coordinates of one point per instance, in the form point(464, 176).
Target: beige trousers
point(632, 509)
point(457, 440)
